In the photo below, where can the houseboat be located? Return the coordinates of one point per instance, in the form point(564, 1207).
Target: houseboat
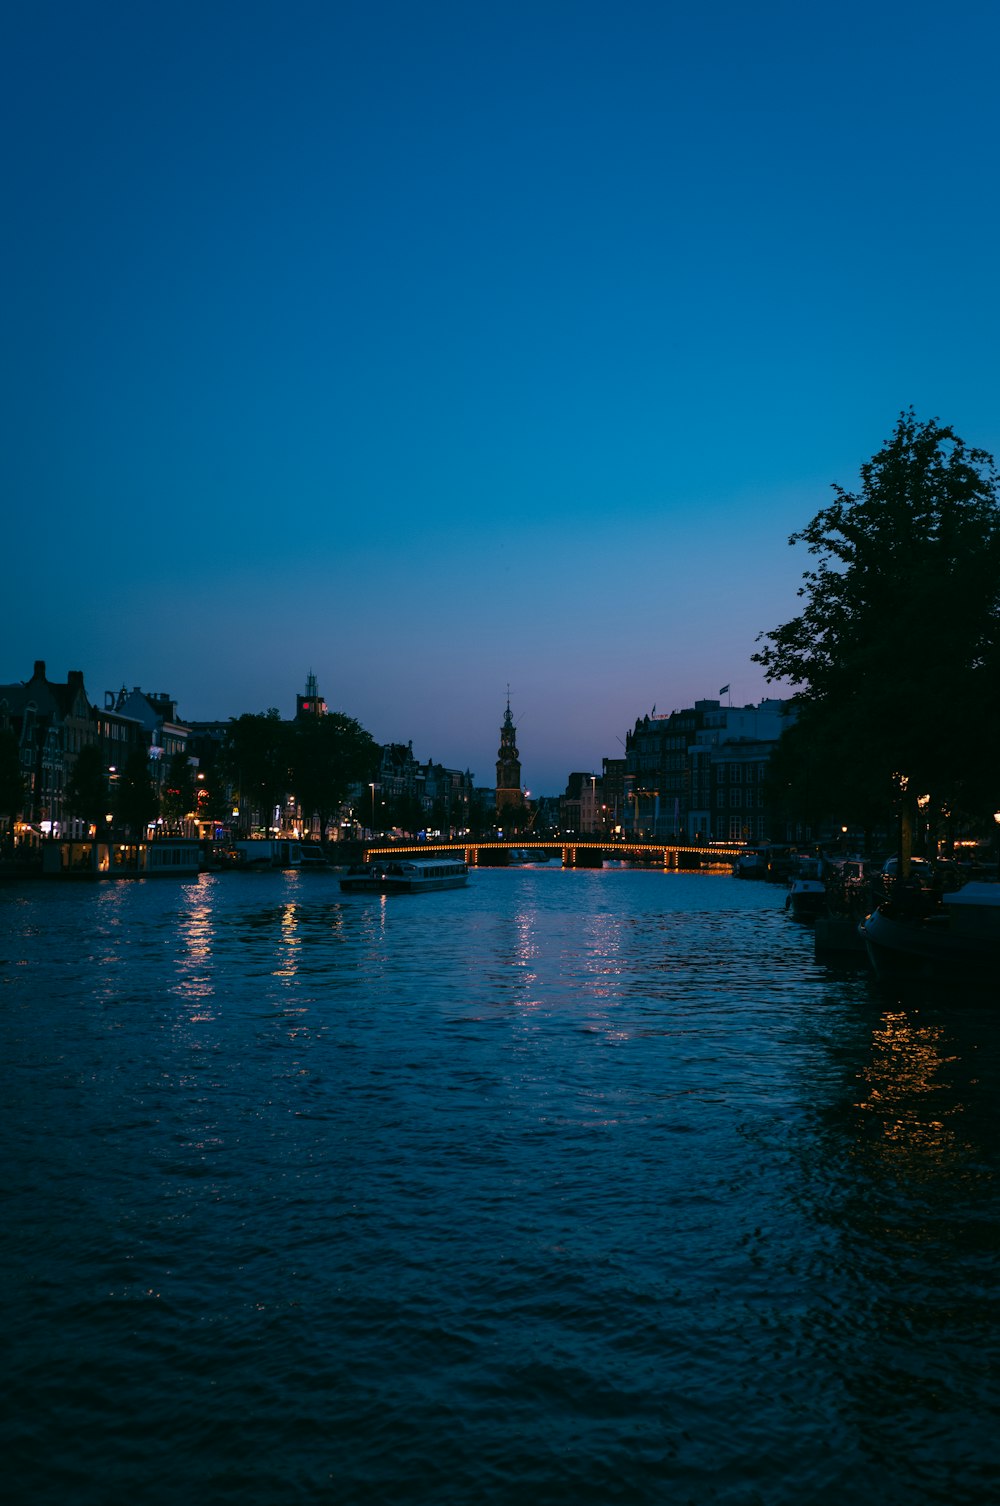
point(253, 853)
point(167, 857)
point(312, 858)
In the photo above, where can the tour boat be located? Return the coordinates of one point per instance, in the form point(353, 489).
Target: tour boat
point(406, 876)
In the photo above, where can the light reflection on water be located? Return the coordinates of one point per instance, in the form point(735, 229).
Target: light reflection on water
point(912, 1095)
point(566, 1187)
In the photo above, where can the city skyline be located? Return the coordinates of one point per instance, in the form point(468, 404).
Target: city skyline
point(116, 698)
point(436, 351)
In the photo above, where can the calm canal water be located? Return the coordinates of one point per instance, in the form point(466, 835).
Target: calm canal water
point(570, 1187)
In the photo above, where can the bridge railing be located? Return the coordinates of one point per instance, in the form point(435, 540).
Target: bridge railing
point(571, 849)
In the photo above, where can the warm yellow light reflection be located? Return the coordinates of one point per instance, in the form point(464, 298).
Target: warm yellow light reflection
point(911, 1095)
point(290, 943)
point(194, 962)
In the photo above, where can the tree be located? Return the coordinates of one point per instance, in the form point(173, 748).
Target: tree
point(87, 791)
point(212, 794)
point(404, 811)
point(329, 754)
point(136, 804)
point(897, 650)
point(258, 758)
point(178, 791)
point(11, 777)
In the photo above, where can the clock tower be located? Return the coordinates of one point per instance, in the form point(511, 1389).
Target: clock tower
point(509, 793)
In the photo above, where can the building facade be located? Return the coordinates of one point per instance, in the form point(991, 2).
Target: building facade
point(698, 775)
point(164, 735)
point(52, 722)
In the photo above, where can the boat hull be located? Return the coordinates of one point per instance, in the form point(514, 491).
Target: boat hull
point(805, 899)
point(385, 884)
point(926, 948)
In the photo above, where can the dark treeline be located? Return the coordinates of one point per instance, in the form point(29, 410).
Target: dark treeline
point(895, 657)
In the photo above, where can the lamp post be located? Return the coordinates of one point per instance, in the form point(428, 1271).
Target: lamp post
point(923, 805)
point(996, 818)
point(372, 788)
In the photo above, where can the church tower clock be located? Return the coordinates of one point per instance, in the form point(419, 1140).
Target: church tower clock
point(509, 791)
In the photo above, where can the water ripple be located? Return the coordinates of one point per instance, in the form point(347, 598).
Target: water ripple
point(570, 1187)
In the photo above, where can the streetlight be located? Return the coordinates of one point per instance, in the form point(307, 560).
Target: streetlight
point(923, 802)
point(372, 788)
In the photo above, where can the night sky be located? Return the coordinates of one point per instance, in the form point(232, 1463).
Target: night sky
point(441, 347)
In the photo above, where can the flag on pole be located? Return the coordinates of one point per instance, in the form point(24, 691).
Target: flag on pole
point(724, 690)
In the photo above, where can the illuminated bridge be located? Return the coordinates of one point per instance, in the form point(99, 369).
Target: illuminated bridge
point(581, 852)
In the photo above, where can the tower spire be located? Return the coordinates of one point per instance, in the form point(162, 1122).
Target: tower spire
point(509, 791)
point(312, 703)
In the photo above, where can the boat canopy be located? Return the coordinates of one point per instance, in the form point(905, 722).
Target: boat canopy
point(976, 894)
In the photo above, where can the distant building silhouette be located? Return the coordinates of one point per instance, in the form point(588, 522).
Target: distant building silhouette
point(312, 703)
point(509, 792)
point(52, 721)
point(163, 734)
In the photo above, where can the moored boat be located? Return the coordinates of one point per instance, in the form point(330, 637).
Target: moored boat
point(806, 896)
point(955, 939)
point(312, 858)
point(248, 854)
point(770, 861)
point(406, 876)
point(166, 857)
point(805, 899)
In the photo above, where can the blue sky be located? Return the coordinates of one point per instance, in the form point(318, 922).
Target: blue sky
point(439, 348)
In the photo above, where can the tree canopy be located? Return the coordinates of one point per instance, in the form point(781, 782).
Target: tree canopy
point(87, 793)
point(895, 657)
point(258, 757)
point(135, 804)
point(329, 754)
point(178, 797)
point(12, 791)
point(317, 760)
